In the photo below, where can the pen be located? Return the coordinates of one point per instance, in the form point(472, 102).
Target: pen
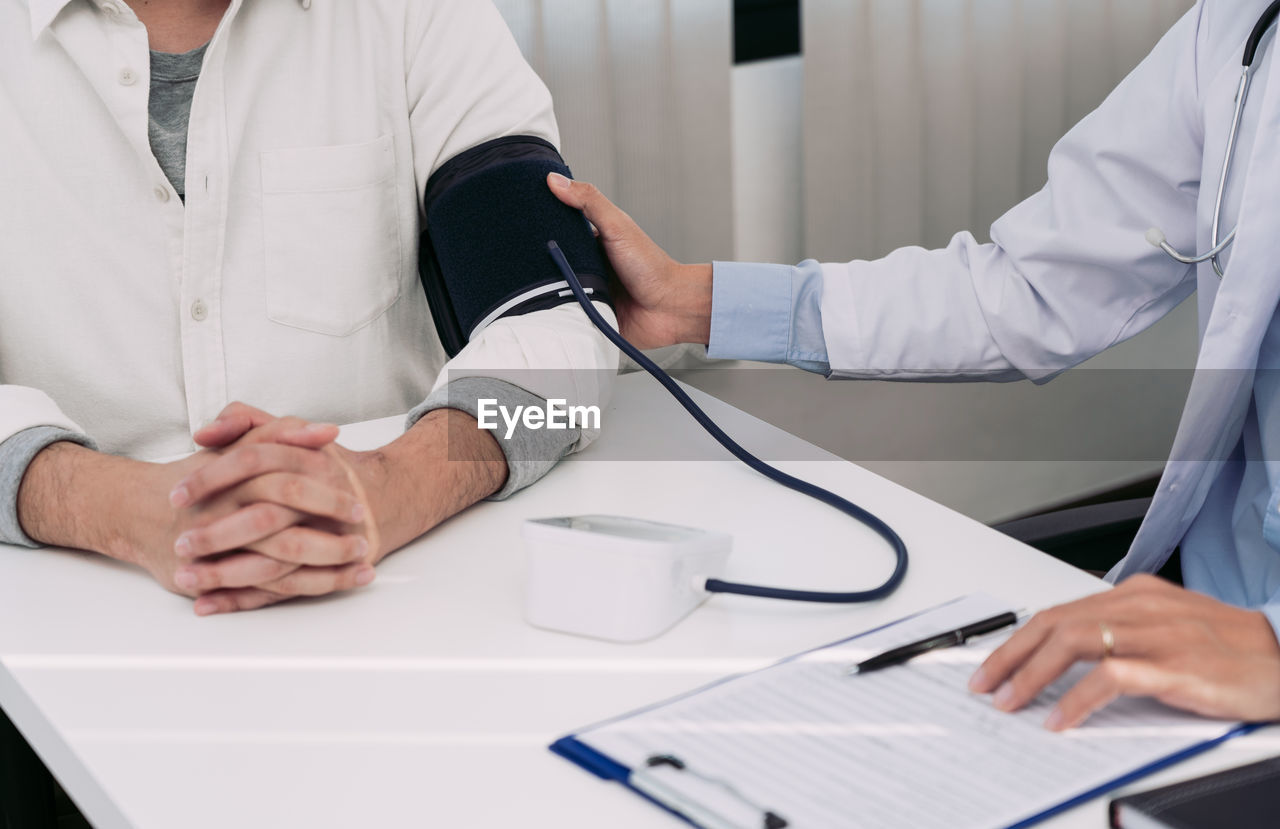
point(899, 655)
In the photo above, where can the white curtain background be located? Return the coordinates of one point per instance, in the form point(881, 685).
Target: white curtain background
point(926, 117)
point(643, 99)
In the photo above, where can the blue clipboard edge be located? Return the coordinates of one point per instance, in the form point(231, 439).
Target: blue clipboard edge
point(602, 766)
point(606, 768)
point(1139, 773)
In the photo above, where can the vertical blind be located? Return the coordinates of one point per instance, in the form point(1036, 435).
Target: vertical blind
point(643, 100)
point(927, 117)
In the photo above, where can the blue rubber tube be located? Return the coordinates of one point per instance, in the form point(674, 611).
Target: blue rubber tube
point(790, 482)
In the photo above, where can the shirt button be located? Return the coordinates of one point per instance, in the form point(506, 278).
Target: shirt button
point(199, 311)
point(111, 9)
point(162, 193)
point(128, 77)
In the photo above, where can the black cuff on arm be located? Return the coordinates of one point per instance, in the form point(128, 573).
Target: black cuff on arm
point(484, 254)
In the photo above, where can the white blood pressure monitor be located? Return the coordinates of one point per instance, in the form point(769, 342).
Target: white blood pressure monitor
point(617, 578)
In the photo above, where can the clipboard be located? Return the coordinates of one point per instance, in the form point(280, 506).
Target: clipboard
point(1141, 737)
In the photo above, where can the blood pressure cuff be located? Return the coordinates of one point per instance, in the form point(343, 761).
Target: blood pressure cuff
point(484, 255)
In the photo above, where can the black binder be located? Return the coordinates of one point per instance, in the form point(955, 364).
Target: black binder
point(1242, 798)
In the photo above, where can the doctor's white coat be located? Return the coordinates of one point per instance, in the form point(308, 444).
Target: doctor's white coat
point(1070, 272)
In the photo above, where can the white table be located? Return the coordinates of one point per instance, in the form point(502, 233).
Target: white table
point(425, 700)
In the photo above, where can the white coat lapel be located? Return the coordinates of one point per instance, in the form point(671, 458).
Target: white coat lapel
point(1220, 393)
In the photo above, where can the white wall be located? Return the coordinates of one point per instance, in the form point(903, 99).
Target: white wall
point(768, 111)
point(1105, 424)
point(642, 100)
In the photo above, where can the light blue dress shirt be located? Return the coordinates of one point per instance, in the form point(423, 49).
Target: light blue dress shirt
point(773, 313)
point(1232, 550)
point(768, 313)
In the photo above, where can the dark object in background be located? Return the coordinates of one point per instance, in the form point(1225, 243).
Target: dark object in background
point(29, 797)
point(1247, 797)
point(26, 789)
point(764, 29)
point(1094, 533)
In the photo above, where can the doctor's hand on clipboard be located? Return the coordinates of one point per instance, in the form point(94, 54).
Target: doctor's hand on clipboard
point(1150, 638)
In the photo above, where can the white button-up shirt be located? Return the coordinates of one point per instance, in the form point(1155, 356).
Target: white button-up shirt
point(289, 278)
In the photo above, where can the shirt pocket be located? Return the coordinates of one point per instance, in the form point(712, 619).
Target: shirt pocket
point(331, 235)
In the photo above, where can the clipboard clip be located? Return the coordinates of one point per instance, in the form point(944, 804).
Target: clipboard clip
point(772, 820)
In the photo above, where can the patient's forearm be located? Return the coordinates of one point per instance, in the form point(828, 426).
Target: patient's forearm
point(529, 452)
point(16, 454)
point(75, 497)
point(441, 466)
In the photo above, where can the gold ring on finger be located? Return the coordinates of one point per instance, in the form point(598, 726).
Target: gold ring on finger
point(1108, 640)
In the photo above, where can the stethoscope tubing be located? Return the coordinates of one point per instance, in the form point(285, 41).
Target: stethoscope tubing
point(1214, 254)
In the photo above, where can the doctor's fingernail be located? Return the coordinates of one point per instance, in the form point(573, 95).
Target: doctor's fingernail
point(1004, 697)
point(365, 576)
point(357, 513)
point(559, 182)
point(185, 579)
point(319, 428)
point(180, 497)
point(1056, 720)
point(978, 681)
point(183, 545)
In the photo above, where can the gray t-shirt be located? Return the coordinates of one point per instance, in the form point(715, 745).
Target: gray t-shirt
point(173, 87)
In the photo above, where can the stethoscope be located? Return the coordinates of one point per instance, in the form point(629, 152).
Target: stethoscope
point(1155, 235)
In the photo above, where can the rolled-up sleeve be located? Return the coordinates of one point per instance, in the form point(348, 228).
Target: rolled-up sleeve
point(30, 421)
point(16, 454)
point(530, 453)
point(23, 408)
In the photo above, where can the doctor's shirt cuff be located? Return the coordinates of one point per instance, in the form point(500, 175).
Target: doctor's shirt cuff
point(768, 313)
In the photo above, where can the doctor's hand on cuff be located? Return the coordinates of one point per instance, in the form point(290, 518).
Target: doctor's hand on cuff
point(1149, 638)
point(662, 302)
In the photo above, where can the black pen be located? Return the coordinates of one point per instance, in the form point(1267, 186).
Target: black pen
point(950, 639)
